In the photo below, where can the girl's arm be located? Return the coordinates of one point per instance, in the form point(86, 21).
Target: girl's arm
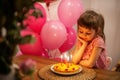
point(93, 57)
point(78, 51)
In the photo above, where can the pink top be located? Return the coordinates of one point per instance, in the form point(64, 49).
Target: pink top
point(101, 61)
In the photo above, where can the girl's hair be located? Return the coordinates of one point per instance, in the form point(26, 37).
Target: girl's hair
point(101, 26)
point(92, 20)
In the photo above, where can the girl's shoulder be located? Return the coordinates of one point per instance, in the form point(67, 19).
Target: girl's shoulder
point(98, 41)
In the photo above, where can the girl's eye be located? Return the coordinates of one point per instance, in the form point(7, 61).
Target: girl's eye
point(88, 33)
point(80, 31)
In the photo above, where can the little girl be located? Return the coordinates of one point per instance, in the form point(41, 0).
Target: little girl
point(90, 50)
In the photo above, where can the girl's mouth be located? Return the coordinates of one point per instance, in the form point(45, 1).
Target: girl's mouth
point(81, 38)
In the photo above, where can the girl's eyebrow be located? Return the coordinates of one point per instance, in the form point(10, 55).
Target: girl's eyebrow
point(89, 32)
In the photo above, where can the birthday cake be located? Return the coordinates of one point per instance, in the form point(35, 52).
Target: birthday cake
point(66, 67)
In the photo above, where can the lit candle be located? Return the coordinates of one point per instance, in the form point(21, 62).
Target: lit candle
point(61, 58)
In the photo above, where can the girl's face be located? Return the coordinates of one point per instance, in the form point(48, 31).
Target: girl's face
point(86, 34)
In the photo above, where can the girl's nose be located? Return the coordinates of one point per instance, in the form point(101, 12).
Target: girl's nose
point(84, 35)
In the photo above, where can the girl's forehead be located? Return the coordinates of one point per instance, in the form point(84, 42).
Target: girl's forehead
point(83, 28)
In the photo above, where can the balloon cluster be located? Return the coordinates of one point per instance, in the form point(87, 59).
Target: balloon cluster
point(52, 34)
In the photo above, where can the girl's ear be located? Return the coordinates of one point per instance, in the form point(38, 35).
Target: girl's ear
point(99, 30)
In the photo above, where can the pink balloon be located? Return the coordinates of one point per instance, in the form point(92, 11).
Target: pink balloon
point(69, 11)
point(36, 18)
point(71, 39)
point(53, 34)
point(35, 48)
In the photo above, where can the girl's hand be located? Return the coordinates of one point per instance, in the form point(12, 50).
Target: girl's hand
point(82, 41)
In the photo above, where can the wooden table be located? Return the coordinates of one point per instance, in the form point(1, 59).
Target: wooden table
point(42, 62)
